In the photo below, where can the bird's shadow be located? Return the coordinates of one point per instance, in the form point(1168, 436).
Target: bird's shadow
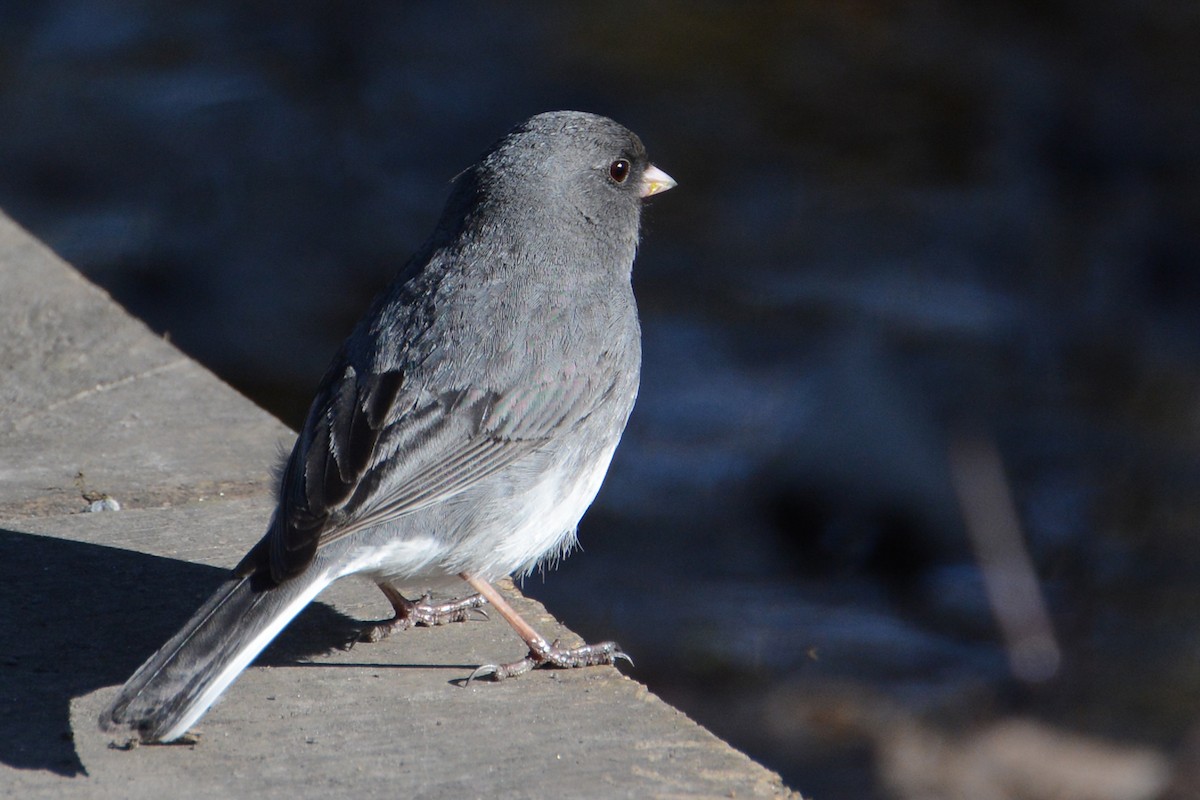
point(77, 617)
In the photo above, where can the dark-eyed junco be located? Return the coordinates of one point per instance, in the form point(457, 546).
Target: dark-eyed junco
point(462, 429)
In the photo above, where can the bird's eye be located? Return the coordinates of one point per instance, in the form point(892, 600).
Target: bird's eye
point(619, 170)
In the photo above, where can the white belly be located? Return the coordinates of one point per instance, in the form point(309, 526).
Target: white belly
point(547, 528)
point(510, 535)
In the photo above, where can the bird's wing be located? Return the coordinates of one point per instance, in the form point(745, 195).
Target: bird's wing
point(375, 448)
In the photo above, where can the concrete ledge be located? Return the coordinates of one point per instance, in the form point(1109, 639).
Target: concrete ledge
point(93, 403)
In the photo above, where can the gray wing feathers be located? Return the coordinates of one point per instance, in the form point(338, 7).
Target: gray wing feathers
point(378, 449)
point(458, 441)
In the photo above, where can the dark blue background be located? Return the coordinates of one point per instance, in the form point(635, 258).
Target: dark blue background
point(895, 222)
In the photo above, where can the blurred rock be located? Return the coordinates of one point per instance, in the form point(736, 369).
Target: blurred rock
point(1017, 759)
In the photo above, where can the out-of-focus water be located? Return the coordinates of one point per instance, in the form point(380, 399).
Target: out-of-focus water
point(894, 223)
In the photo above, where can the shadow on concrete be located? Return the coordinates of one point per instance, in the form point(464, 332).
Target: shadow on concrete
point(77, 617)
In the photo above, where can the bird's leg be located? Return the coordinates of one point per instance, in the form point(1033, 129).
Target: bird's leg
point(422, 612)
point(541, 653)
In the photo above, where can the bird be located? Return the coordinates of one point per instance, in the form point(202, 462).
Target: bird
point(461, 430)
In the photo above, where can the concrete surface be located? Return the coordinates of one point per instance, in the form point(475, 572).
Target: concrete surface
point(93, 404)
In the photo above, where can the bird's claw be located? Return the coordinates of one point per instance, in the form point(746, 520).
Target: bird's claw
point(553, 657)
point(424, 613)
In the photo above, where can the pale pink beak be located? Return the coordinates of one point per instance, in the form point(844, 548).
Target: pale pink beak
point(654, 181)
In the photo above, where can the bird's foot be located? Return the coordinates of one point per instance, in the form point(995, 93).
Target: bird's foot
point(553, 656)
point(423, 612)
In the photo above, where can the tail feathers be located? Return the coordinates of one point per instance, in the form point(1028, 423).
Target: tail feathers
point(174, 688)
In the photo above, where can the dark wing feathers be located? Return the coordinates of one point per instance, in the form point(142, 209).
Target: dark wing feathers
point(334, 452)
point(377, 449)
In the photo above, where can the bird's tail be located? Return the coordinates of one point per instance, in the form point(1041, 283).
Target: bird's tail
point(176, 685)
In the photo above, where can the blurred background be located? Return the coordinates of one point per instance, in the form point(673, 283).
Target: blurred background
point(908, 506)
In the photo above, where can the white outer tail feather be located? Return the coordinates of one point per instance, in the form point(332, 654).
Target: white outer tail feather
point(248, 653)
point(155, 703)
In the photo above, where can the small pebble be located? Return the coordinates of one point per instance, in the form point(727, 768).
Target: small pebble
point(107, 504)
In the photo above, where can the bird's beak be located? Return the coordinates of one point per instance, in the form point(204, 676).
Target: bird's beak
point(654, 181)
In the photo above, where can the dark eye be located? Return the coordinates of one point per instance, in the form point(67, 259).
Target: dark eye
point(619, 170)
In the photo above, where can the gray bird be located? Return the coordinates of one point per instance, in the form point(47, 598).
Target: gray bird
point(461, 430)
